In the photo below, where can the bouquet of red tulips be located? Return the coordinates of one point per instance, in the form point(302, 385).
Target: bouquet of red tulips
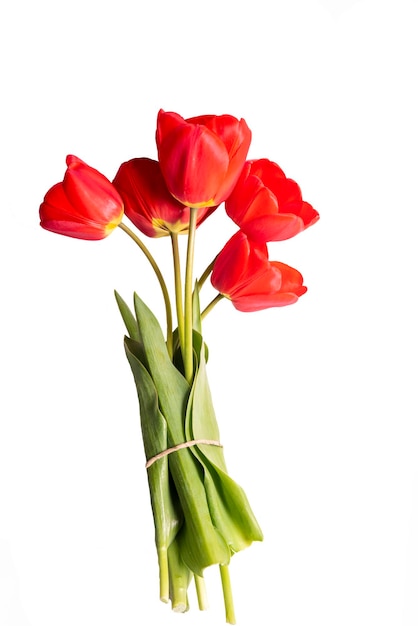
point(201, 516)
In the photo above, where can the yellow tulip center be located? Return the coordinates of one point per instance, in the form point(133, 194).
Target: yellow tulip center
point(110, 227)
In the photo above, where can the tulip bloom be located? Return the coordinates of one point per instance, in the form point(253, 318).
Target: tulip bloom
point(148, 203)
point(266, 205)
point(202, 157)
point(244, 274)
point(85, 205)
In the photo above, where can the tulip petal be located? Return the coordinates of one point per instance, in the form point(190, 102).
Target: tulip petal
point(202, 157)
point(252, 303)
point(166, 122)
point(268, 171)
point(85, 205)
point(194, 162)
point(268, 280)
point(249, 200)
point(244, 274)
point(236, 137)
point(266, 205)
point(57, 215)
point(292, 279)
point(148, 203)
point(308, 214)
point(256, 209)
point(237, 264)
point(274, 227)
point(87, 188)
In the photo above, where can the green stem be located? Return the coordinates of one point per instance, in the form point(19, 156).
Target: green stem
point(211, 305)
point(164, 574)
point(205, 274)
point(180, 576)
point(202, 598)
point(160, 278)
point(188, 299)
point(227, 591)
point(178, 289)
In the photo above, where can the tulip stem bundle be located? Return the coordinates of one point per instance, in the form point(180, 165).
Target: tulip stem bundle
point(201, 516)
point(188, 318)
point(185, 334)
point(186, 346)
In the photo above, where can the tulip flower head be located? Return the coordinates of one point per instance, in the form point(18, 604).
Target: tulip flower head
point(244, 274)
point(266, 205)
point(148, 203)
point(85, 205)
point(202, 157)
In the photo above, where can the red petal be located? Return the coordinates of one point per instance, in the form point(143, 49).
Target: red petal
point(308, 214)
point(249, 199)
point(166, 122)
point(267, 282)
point(148, 203)
point(239, 262)
point(273, 227)
point(234, 133)
point(249, 304)
point(57, 215)
point(268, 171)
point(91, 193)
point(194, 163)
point(292, 279)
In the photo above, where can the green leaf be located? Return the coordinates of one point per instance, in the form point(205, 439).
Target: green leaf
point(172, 388)
point(229, 507)
point(199, 541)
point(128, 318)
point(166, 511)
point(154, 425)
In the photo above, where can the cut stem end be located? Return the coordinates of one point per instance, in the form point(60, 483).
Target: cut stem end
point(227, 592)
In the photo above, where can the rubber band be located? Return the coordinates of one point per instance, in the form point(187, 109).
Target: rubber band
point(180, 446)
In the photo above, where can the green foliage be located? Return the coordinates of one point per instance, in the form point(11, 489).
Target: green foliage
point(201, 515)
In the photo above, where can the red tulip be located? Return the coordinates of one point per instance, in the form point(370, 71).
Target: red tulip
point(244, 274)
point(266, 205)
point(148, 203)
point(202, 157)
point(85, 205)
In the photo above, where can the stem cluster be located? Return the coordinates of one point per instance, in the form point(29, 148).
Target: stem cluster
point(201, 516)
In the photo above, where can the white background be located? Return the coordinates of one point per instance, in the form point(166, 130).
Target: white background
point(316, 402)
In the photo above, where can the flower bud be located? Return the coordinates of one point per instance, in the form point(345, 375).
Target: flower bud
point(85, 205)
point(244, 274)
point(266, 205)
point(202, 157)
